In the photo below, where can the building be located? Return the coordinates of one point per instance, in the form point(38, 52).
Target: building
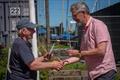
point(11, 12)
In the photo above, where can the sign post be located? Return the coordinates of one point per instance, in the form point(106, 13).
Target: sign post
point(34, 40)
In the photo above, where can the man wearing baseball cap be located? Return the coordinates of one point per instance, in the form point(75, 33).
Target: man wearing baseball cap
point(23, 65)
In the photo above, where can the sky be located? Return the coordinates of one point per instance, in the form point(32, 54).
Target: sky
point(59, 10)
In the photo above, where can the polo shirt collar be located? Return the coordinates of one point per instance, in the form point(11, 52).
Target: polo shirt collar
point(88, 22)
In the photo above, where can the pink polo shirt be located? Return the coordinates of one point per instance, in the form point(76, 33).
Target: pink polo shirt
point(96, 31)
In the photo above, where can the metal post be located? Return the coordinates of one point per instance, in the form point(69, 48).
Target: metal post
point(34, 40)
point(47, 22)
point(109, 2)
point(95, 5)
point(62, 20)
point(67, 15)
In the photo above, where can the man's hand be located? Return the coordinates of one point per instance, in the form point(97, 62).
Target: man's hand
point(57, 65)
point(47, 56)
point(73, 52)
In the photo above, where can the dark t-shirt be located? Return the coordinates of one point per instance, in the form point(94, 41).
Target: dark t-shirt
point(21, 55)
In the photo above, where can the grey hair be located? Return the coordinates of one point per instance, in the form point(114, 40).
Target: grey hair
point(80, 7)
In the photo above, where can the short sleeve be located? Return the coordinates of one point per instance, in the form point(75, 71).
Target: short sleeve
point(101, 32)
point(25, 53)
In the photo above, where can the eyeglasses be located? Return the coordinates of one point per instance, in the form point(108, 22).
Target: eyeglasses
point(75, 14)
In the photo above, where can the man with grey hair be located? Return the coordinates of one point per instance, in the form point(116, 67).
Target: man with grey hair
point(96, 47)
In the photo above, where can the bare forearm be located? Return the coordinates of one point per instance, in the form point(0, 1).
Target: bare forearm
point(100, 50)
point(71, 60)
point(36, 65)
point(91, 52)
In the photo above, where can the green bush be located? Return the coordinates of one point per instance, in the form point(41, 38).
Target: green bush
point(77, 65)
point(44, 74)
point(118, 74)
point(3, 62)
point(61, 46)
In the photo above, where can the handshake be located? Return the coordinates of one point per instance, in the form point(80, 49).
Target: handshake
point(58, 64)
point(55, 64)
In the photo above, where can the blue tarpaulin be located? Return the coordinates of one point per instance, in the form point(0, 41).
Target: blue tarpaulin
point(41, 30)
point(66, 36)
point(54, 36)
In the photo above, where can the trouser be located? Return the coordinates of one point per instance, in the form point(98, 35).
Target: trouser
point(110, 75)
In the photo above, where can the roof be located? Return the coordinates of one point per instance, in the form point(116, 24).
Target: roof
point(111, 10)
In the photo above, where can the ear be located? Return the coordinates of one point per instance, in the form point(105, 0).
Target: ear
point(23, 30)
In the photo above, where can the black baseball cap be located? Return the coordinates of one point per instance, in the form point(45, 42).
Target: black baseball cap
point(25, 23)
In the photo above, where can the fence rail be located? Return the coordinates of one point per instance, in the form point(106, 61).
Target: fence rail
point(68, 75)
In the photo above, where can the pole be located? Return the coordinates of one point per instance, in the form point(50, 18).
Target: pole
point(34, 40)
point(94, 5)
point(62, 20)
point(109, 2)
point(47, 23)
point(67, 15)
point(32, 19)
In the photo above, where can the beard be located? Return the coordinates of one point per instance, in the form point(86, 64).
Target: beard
point(30, 37)
point(81, 24)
